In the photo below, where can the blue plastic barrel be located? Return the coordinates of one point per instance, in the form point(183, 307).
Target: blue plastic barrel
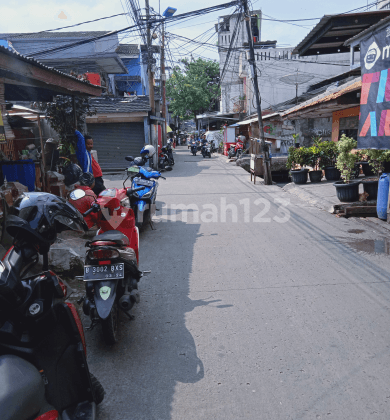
point(383, 196)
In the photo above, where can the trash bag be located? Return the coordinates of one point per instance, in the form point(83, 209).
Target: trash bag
point(72, 173)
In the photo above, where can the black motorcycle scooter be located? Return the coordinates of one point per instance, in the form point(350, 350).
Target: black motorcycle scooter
point(43, 368)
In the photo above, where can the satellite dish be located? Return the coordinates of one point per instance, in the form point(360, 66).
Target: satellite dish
point(296, 79)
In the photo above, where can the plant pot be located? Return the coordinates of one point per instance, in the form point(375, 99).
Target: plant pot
point(347, 192)
point(299, 176)
point(332, 173)
point(367, 170)
point(371, 188)
point(386, 167)
point(315, 176)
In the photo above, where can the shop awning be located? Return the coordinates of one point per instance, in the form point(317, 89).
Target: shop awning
point(331, 32)
point(26, 79)
point(322, 106)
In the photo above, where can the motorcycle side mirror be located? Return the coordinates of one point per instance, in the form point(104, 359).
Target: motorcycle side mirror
point(168, 168)
point(77, 194)
point(129, 158)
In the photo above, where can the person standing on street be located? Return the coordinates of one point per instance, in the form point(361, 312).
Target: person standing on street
point(87, 162)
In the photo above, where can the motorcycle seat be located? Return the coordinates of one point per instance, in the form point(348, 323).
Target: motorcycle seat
point(22, 391)
point(111, 236)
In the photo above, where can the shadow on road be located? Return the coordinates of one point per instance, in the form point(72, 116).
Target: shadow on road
point(156, 350)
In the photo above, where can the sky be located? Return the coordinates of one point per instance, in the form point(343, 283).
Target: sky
point(39, 15)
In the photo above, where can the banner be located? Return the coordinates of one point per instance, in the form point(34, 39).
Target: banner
point(2, 130)
point(374, 121)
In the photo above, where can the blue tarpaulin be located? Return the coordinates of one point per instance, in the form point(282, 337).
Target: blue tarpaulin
point(22, 171)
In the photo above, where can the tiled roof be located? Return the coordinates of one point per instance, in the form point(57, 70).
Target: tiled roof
point(105, 105)
point(40, 35)
point(354, 84)
point(37, 63)
point(127, 49)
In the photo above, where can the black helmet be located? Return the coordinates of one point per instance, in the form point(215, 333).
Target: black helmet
point(138, 161)
point(72, 173)
point(86, 179)
point(38, 217)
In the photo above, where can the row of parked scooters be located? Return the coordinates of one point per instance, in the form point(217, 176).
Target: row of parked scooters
point(203, 146)
point(44, 373)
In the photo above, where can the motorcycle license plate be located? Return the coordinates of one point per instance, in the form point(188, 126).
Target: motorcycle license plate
point(104, 272)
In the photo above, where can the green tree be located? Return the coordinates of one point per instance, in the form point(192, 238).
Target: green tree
point(193, 88)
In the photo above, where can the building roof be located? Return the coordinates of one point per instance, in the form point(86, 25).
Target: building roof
point(106, 105)
point(367, 32)
point(45, 35)
point(329, 95)
point(331, 32)
point(36, 63)
point(127, 49)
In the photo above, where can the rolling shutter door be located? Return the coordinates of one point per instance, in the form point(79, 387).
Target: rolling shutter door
point(115, 141)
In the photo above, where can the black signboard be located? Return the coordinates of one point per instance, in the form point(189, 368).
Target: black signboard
point(374, 121)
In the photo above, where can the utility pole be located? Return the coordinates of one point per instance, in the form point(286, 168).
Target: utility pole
point(264, 147)
point(150, 56)
point(162, 81)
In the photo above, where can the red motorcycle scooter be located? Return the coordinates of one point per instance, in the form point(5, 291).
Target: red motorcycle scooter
point(236, 149)
point(111, 266)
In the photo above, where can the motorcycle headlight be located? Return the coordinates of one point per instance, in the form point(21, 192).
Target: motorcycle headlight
point(148, 194)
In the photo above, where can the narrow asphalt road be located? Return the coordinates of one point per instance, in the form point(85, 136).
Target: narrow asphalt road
point(280, 311)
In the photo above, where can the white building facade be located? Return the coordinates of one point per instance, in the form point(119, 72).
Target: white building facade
point(277, 69)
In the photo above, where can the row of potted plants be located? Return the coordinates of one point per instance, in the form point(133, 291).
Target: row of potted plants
point(319, 157)
point(373, 162)
point(339, 160)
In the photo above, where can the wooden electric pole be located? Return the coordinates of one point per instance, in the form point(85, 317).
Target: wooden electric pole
point(150, 57)
point(264, 146)
point(162, 81)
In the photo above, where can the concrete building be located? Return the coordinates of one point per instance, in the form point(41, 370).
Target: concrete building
point(232, 29)
point(277, 68)
point(384, 4)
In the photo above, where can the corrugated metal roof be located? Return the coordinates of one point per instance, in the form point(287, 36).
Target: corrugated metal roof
point(331, 30)
point(36, 63)
point(367, 31)
point(105, 105)
point(127, 49)
point(44, 35)
point(354, 84)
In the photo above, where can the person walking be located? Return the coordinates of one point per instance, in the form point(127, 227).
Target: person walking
point(87, 162)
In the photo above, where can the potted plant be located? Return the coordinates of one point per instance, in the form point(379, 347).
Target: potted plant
point(346, 189)
point(376, 159)
point(313, 159)
point(328, 154)
point(296, 159)
point(296, 138)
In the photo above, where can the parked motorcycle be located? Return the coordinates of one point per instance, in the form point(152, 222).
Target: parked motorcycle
point(111, 265)
point(43, 367)
point(206, 150)
point(144, 202)
point(169, 152)
point(163, 160)
point(236, 149)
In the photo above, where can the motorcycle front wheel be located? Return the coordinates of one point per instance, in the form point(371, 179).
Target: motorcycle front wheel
point(110, 325)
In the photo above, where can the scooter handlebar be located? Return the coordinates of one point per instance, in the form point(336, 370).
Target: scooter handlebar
point(94, 209)
point(130, 191)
